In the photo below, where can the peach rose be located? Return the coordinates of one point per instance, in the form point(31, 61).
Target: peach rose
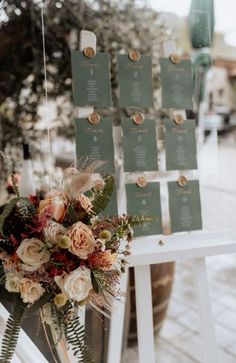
point(55, 205)
point(76, 285)
point(33, 254)
point(84, 202)
point(82, 240)
point(30, 291)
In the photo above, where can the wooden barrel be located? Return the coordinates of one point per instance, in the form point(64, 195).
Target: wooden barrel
point(162, 276)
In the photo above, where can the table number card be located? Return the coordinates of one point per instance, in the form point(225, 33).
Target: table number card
point(135, 81)
point(185, 206)
point(145, 201)
point(180, 145)
point(91, 80)
point(95, 141)
point(139, 145)
point(177, 84)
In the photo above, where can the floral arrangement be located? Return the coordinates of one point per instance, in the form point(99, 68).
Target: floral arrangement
point(57, 254)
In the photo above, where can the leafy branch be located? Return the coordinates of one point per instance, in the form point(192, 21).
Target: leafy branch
point(102, 199)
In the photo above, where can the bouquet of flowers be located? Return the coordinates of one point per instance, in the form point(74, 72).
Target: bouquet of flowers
point(57, 254)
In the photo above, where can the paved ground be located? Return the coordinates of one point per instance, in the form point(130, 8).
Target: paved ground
point(179, 341)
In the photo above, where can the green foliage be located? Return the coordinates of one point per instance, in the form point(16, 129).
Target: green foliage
point(103, 197)
point(24, 208)
point(12, 331)
point(2, 277)
point(95, 282)
point(6, 245)
point(119, 27)
point(6, 212)
point(67, 323)
point(75, 336)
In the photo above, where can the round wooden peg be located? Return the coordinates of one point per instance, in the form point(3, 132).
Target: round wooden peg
point(141, 182)
point(138, 118)
point(175, 58)
point(134, 55)
point(179, 119)
point(182, 181)
point(89, 52)
point(94, 118)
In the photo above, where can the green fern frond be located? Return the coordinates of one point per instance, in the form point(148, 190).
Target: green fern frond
point(67, 320)
point(2, 277)
point(76, 337)
point(12, 331)
point(102, 199)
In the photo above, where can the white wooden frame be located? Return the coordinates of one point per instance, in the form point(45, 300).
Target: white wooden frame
point(195, 246)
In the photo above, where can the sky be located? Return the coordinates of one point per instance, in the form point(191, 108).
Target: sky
point(225, 13)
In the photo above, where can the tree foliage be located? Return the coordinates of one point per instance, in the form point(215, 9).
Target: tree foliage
point(120, 25)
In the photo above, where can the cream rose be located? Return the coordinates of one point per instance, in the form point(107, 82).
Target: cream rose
point(76, 285)
point(54, 231)
point(12, 282)
point(82, 240)
point(30, 291)
point(33, 254)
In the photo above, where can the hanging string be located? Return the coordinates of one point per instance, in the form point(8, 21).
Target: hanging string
point(46, 91)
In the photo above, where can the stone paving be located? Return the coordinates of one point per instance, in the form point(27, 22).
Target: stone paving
point(179, 340)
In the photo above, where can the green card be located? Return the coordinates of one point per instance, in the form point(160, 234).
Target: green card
point(177, 84)
point(95, 142)
point(180, 145)
point(185, 206)
point(91, 80)
point(135, 81)
point(145, 201)
point(140, 145)
point(200, 27)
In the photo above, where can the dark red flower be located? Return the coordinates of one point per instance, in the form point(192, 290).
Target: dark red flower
point(33, 199)
point(13, 240)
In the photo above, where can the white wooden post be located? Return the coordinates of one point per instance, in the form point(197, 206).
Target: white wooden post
point(87, 39)
point(116, 325)
point(144, 315)
point(205, 312)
